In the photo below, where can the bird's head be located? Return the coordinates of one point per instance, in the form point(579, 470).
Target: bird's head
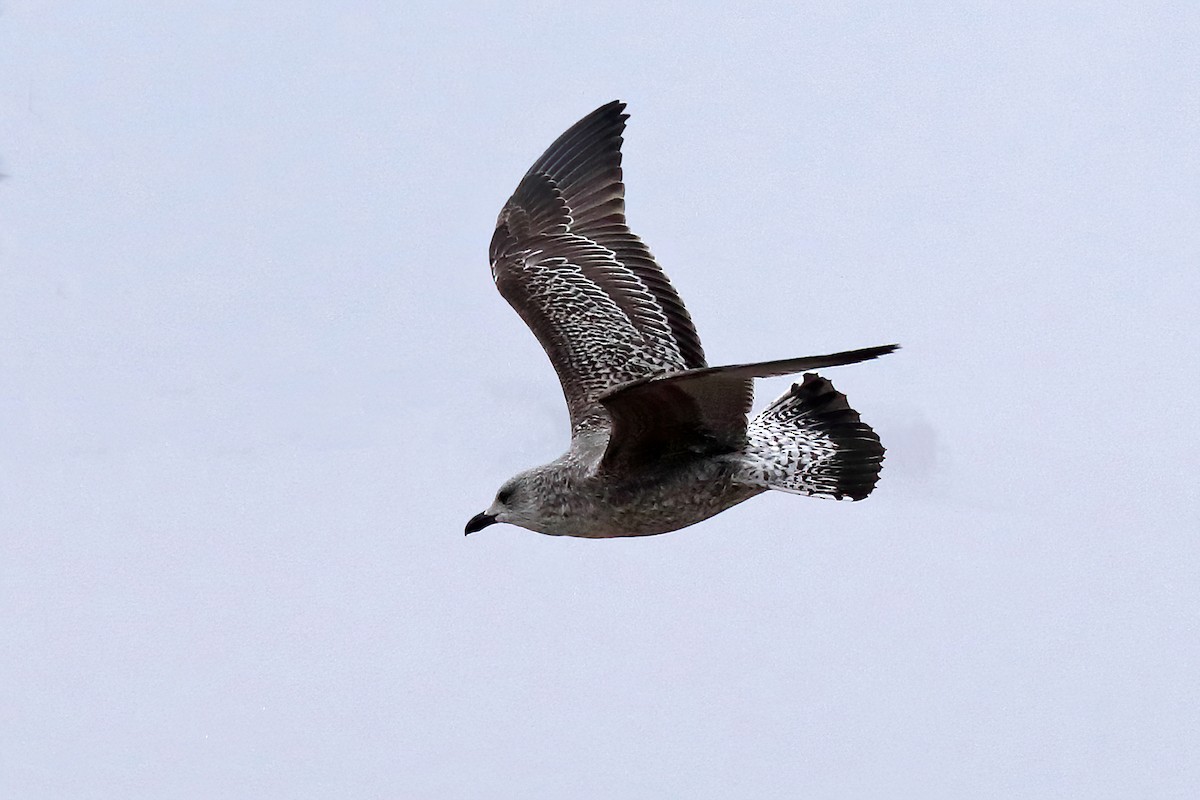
point(517, 503)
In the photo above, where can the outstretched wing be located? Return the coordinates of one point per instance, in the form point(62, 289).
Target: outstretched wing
point(700, 411)
point(590, 290)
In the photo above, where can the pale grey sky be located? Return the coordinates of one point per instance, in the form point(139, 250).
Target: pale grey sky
point(254, 378)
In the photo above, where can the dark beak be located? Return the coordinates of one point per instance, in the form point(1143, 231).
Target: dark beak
point(479, 522)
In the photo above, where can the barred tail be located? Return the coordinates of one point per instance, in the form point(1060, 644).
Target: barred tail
point(810, 441)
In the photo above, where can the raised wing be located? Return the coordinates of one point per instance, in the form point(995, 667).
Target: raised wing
point(590, 290)
point(697, 412)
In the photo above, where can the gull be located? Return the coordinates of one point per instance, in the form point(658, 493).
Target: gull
point(659, 439)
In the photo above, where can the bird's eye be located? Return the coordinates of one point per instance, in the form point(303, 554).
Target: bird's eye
point(504, 495)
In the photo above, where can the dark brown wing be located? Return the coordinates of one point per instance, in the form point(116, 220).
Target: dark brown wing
point(585, 165)
point(600, 328)
point(589, 289)
point(701, 411)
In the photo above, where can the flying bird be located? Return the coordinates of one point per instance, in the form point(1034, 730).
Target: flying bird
point(659, 439)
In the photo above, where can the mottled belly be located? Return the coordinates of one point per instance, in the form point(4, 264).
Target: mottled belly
point(675, 500)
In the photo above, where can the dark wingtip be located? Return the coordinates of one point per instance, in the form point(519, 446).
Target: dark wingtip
point(612, 107)
point(875, 352)
point(612, 114)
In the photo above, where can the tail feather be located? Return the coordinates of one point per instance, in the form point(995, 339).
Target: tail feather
point(810, 441)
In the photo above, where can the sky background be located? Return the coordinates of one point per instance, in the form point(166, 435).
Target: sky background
point(255, 377)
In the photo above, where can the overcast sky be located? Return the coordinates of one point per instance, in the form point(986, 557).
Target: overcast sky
point(255, 377)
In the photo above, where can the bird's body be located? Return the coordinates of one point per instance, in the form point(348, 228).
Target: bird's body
point(659, 439)
point(577, 499)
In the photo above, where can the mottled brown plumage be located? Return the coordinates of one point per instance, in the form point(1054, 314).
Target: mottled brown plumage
point(659, 439)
